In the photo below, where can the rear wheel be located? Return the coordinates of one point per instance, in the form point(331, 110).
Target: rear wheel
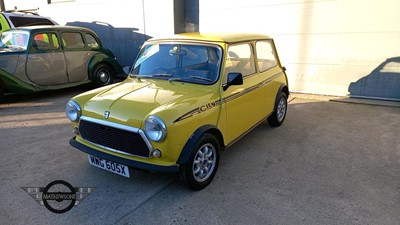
point(103, 75)
point(278, 116)
point(203, 163)
point(1, 94)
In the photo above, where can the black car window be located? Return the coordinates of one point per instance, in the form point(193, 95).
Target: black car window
point(91, 41)
point(45, 41)
point(20, 21)
point(72, 40)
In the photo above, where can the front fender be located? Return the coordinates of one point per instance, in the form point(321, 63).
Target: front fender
point(14, 84)
point(191, 143)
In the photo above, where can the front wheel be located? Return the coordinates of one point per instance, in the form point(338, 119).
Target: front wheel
point(278, 116)
point(203, 163)
point(102, 75)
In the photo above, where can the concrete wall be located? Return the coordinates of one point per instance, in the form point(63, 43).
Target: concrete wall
point(331, 47)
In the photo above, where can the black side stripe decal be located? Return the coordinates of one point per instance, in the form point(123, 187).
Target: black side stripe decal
point(216, 103)
point(199, 110)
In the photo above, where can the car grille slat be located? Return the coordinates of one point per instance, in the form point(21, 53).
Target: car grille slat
point(114, 138)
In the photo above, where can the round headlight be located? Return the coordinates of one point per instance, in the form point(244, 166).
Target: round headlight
point(73, 110)
point(155, 129)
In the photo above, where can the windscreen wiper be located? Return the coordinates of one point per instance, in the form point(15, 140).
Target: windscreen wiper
point(201, 78)
point(162, 75)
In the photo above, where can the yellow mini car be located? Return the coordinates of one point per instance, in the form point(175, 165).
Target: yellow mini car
point(187, 98)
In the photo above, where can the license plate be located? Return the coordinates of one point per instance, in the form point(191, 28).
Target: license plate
point(109, 166)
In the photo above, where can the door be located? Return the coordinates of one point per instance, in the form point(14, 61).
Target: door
point(45, 63)
point(77, 56)
point(243, 103)
point(269, 72)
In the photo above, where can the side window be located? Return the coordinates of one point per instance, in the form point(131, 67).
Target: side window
point(91, 41)
point(72, 40)
point(3, 23)
point(240, 59)
point(22, 21)
point(45, 41)
point(266, 56)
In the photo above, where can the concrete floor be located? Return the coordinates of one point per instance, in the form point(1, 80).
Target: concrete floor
point(329, 163)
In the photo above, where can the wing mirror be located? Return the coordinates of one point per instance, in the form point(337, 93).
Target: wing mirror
point(233, 79)
point(127, 69)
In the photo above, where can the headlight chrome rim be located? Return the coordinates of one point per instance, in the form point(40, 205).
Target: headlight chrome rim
point(73, 110)
point(155, 129)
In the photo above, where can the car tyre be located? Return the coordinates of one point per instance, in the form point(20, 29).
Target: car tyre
point(278, 116)
point(103, 75)
point(203, 163)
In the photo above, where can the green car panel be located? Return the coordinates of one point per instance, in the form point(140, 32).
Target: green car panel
point(41, 58)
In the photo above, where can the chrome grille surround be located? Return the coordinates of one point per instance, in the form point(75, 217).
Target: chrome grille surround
point(107, 125)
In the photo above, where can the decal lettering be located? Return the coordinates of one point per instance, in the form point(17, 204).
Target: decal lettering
point(200, 109)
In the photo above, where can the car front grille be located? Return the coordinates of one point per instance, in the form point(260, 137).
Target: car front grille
point(114, 138)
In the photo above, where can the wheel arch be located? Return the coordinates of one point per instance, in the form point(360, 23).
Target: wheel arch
point(2, 90)
point(101, 59)
point(283, 88)
point(2, 85)
point(191, 142)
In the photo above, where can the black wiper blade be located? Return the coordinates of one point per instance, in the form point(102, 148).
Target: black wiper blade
point(201, 78)
point(140, 76)
point(162, 75)
point(175, 79)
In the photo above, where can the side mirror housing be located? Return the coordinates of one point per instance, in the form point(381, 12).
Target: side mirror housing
point(127, 69)
point(233, 79)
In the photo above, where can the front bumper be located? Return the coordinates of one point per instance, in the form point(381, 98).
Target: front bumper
point(127, 162)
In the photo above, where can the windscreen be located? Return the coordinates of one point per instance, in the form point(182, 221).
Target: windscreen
point(185, 62)
point(16, 40)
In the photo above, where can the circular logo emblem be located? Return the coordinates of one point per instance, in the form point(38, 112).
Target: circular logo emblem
point(59, 196)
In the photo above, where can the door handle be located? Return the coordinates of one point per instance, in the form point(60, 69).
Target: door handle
point(32, 57)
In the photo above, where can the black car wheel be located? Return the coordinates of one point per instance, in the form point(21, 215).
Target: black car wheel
point(1, 94)
point(203, 163)
point(278, 116)
point(103, 75)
